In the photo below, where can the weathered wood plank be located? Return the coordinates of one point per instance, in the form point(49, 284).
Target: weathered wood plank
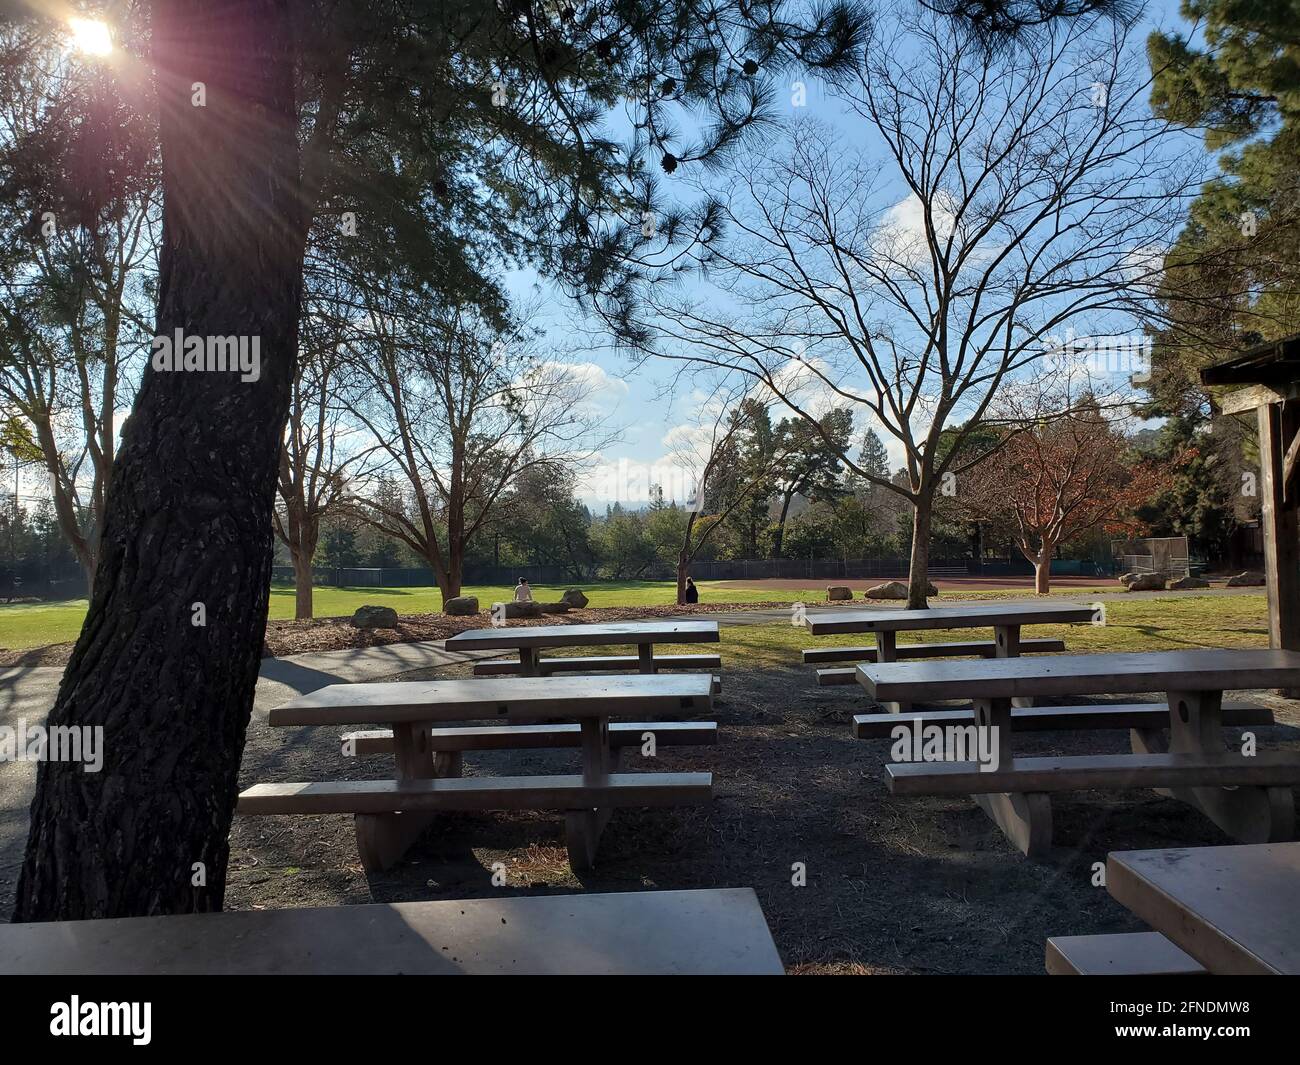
point(1280, 520)
point(499, 667)
point(976, 615)
point(561, 792)
point(627, 932)
point(1119, 954)
point(908, 651)
point(1049, 718)
point(1106, 772)
point(520, 737)
point(620, 632)
point(498, 697)
point(1230, 908)
point(1114, 674)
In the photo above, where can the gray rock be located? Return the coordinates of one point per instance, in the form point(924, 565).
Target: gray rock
point(896, 590)
point(838, 591)
point(575, 598)
point(888, 590)
point(1146, 582)
point(1185, 583)
point(461, 606)
point(374, 617)
point(523, 610)
point(1249, 579)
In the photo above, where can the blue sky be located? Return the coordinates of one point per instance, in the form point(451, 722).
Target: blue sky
point(638, 399)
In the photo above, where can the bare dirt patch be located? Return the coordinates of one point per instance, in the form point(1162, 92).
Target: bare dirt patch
point(894, 885)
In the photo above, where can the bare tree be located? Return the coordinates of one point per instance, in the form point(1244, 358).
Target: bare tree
point(459, 407)
point(68, 340)
point(726, 415)
point(322, 451)
point(1005, 194)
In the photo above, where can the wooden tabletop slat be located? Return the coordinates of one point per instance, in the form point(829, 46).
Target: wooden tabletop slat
point(976, 615)
point(613, 633)
point(633, 932)
point(1114, 674)
point(499, 697)
point(1230, 908)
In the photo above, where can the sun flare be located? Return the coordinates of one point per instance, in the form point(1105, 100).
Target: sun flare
point(91, 36)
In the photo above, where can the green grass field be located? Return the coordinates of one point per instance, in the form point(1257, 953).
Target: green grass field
point(26, 625)
point(1132, 625)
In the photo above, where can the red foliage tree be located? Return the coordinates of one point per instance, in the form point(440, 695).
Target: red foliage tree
point(1062, 477)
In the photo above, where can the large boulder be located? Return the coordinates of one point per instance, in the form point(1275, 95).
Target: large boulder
point(1249, 579)
point(461, 606)
point(837, 592)
point(374, 617)
point(523, 610)
point(888, 590)
point(574, 598)
point(555, 608)
point(1184, 584)
point(895, 590)
point(1146, 582)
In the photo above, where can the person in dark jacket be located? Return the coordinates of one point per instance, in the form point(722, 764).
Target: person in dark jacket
point(692, 593)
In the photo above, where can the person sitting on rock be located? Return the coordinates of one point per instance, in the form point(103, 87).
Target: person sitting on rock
point(523, 594)
point(692, 593)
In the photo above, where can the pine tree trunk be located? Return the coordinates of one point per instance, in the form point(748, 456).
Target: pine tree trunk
point(190, 503)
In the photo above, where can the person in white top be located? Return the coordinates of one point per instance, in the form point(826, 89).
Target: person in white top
point(523, 594)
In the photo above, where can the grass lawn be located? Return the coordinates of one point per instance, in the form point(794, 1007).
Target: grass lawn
point(1132, 625)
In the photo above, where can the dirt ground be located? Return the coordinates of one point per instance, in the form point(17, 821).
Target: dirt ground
point(894, 885)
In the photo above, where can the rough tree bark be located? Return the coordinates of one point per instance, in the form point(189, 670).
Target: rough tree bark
point(189, 507)
point(918, 580)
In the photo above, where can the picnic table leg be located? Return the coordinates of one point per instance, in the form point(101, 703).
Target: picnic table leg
point(887, 651)
point(1025, 818)
point(583, 828)
point(1006, 644)
point(528, 663)
point(382, 839)
point(1247, 814)
point(645, 653)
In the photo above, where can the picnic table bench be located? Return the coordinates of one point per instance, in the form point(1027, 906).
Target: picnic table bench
point(1248, 796)
point(1005, 618)
point(625, 933)
point(1222, 910)
point(391, 814)
point(527, 641)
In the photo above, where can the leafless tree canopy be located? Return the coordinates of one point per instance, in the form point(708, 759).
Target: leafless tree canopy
point(913, 265)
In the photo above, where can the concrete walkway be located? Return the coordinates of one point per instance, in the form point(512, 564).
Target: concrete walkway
point(27, 695)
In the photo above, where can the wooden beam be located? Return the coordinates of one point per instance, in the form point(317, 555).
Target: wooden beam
point(1248, 399)
point(1280, 520)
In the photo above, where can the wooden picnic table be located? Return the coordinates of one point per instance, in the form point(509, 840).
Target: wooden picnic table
point(1005, 618)
point(528, 640)
point(1230, 908)
point(624, 933)
point(391, 814)
point(1248, 796)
